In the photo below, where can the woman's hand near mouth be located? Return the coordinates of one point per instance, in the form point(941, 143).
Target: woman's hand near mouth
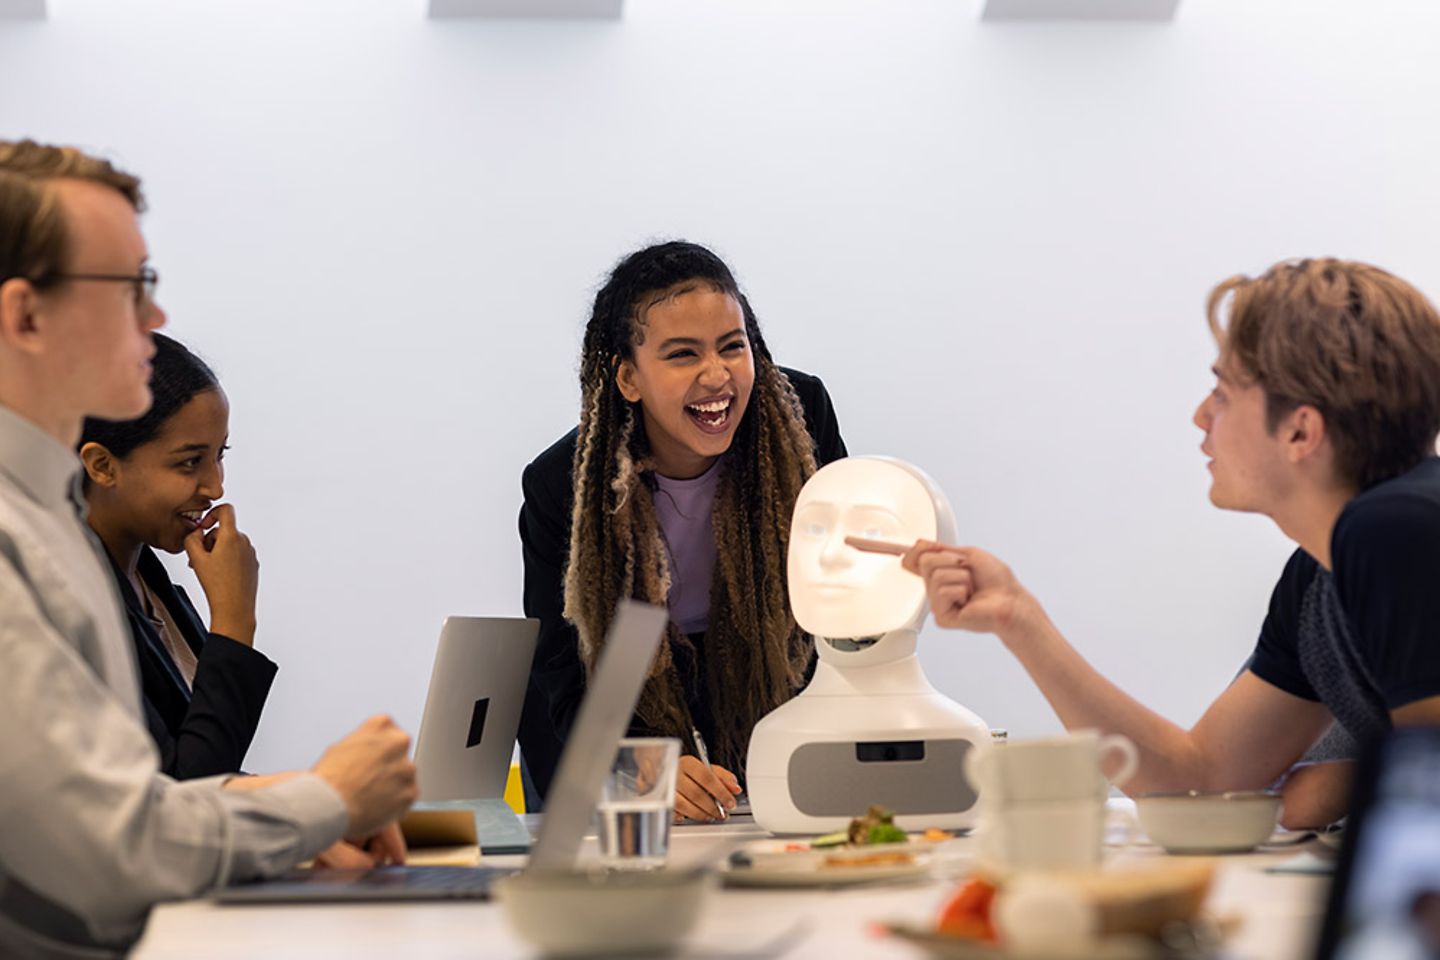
point(224, 562)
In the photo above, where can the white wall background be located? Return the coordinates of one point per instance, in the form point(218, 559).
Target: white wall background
point(993, 241)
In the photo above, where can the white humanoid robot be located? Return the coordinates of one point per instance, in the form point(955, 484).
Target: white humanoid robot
point(869, 728)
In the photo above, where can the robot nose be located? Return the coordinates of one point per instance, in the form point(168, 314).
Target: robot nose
point(837, 554)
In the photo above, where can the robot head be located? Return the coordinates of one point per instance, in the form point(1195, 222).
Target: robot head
point(838, 592)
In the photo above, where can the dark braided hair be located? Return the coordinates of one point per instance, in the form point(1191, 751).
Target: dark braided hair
point(755, 655)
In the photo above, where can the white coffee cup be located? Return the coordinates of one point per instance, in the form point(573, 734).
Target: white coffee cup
point(1063, 835)
point(1066, 767)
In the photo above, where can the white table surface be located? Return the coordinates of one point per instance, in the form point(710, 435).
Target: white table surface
point(1280, 913)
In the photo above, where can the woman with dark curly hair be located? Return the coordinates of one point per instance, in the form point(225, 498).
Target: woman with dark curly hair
point(676, 489)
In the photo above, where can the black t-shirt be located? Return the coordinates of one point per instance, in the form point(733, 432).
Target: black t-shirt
point(1363, 637)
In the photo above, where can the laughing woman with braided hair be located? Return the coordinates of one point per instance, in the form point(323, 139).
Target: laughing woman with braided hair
point(676, 489)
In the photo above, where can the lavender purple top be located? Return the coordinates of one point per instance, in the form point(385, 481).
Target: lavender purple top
point(684, 508)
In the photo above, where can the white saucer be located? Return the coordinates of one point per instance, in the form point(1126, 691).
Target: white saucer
point(823, 876)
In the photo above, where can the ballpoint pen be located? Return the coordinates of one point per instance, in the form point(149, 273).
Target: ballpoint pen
point(704, 756)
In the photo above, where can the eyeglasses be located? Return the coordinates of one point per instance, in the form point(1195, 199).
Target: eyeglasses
point(143, 283)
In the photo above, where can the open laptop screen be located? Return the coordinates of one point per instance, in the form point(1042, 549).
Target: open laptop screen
point(1385, 901)
point(472, 709)
point(605, 714)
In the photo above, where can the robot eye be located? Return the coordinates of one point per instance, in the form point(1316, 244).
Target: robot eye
point(816, 529)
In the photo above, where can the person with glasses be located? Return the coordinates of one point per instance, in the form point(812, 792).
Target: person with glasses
point(92, 833)
point(142, 283)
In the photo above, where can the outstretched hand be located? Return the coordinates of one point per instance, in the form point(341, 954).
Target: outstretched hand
point(968, 589)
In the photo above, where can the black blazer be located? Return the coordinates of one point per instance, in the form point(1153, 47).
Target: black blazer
point(206, 731)
point(557, 678)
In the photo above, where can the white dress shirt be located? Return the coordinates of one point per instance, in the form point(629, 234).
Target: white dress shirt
point(91, 833)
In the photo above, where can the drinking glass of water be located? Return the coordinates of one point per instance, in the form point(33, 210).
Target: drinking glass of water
point(638, 802)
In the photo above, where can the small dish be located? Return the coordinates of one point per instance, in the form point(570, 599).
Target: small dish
point(1234, 821)
point(823, 876)
point(594, 914)
point(799, 855)
point(779, 863)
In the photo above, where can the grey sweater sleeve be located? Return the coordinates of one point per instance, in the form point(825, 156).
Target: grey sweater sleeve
point(90, 831)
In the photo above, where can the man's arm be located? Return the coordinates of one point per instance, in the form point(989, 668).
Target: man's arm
point(1318, 794)
point(1247, 738)
point(90, 823)
point(1421, 713)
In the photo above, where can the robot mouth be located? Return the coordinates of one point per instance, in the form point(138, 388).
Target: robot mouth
point(833, 589)
point(852, 644)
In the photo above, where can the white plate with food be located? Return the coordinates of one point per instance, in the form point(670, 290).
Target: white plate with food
point(778, 863)
point(872, 850)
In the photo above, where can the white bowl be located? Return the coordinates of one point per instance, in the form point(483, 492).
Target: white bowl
point(590, 914)
point(1195, 822)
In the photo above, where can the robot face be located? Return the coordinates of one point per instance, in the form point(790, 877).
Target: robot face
point(835, 590)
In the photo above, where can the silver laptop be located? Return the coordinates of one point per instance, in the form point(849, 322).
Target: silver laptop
point(604, 715)
point(595, 735)
point(472, 712)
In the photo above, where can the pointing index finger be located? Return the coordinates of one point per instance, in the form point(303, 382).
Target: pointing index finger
point(911, 560)
point(928, 556)
point(867, 545)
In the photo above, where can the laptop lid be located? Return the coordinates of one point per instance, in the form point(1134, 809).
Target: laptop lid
point(604, 716)
point(603, 719)
point(1385, 900)
point(472, 710)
